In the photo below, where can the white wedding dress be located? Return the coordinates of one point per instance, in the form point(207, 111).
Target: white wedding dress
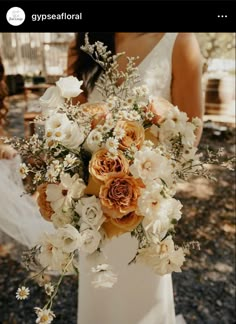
point(139, 296)
point(19, 214)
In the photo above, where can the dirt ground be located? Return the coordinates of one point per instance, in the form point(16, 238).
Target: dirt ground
point(205, 290)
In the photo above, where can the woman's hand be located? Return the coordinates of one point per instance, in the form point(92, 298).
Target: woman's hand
point(7, 152)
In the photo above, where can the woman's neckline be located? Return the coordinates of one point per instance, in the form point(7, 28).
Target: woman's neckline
point(152, 50)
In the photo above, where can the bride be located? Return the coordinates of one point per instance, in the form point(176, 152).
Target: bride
point(170, 64)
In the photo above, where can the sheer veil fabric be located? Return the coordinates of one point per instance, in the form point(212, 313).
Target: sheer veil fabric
point(139, 296)
point(19, 214)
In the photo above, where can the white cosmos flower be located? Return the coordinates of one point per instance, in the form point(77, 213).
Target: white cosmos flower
point(90, 239)
point(69, 86)
point(150, 165)
point(89, 208)
point(69, 238)
point(51, 255)
point(60, 195)
point(93, 141)
point(103, 276)
point(50, 100)
point(74, 136)
point(158, 212)
point(163, 258)
point(44, 316)
point(150, 201)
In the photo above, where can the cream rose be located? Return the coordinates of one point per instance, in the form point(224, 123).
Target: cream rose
point(102, 165)
point(119, 195)
point(44, 205)
point(134, 134)
point(118, 226)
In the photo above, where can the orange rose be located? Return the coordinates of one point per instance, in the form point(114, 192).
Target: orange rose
point(134, 134)
point(93, 187)
point(44, 205)
point(119, 195)
point(118, 226)
point(97, 110)
point(101, 165)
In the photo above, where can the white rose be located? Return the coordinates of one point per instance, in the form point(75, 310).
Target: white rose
point(90, 240)
point(89, 208)
point(69, 87)
point(74, 136)
point(62, 217)
point(51, 99)
point(68, 238)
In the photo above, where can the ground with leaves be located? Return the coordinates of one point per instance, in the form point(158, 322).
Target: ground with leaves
point(204, 291)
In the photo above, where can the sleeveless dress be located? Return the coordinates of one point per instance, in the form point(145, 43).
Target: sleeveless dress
point(139, 296)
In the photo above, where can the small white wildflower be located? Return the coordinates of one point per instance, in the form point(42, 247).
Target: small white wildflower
point(133, 115)
point(24, 170)
point(37, 177)
point(122, 115)
point(149, 115)
point(69, 160)
point(49, 289)
point(112, 145)
point(119, 133)
point(51, 175)
point(22, 293)
point(44, 316)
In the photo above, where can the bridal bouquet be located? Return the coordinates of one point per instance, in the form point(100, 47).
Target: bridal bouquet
point(102, 169)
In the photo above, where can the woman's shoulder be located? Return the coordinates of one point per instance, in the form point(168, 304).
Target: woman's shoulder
point(185, 42)
point(186, 49)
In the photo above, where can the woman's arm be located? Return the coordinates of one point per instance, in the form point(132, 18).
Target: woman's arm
point(7, 152)
point(187, 77)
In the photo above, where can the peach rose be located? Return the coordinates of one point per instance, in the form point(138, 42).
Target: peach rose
point(96, 110)
point(134, 134)
point(149, 136)
point(44, 205)
point(118, 226)
point(119, 195)
point(157, 106)
point(101, 165)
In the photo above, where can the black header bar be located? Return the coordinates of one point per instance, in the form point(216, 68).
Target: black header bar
point(122, 16)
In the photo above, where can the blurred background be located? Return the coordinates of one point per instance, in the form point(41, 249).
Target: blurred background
point(205, 290)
